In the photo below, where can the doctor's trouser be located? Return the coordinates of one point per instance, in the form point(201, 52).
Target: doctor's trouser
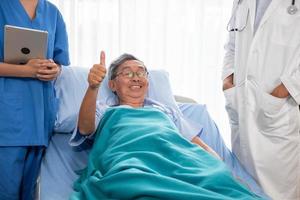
point(19, 169)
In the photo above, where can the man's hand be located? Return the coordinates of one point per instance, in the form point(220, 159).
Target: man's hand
point(228, 82)
point(199, 142)
point(97, 73)
point(280, 91)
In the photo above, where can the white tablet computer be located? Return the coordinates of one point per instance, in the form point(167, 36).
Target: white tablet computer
point(22, 44)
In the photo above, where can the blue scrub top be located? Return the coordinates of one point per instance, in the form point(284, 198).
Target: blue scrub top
point(28, 106)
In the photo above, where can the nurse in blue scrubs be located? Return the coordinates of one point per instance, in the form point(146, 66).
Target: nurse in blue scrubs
point(27, 98)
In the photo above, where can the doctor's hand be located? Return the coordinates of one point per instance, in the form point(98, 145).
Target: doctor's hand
point(228, 82)
point(97, 73)
point(280, 91)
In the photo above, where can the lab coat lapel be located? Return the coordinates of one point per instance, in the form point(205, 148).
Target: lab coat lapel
point(252, 12)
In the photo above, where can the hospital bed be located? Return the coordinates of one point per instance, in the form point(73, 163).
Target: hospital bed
point(62, 162)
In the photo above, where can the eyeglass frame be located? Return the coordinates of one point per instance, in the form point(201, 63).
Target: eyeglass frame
point(144, 75)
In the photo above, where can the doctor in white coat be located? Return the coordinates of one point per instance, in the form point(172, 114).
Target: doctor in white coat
point(261, 77)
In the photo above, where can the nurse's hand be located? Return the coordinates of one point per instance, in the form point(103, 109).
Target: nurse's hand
point(228, 82)
point(34, 65)
point(280, 91)
point(48, 71)
point(97, 73)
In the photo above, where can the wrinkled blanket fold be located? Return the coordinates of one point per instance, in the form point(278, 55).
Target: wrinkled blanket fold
point(139, 154)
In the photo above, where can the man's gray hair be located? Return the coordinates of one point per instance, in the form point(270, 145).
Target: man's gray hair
point(113, 68)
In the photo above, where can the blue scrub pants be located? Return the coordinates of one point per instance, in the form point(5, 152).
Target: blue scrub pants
point(19, 169)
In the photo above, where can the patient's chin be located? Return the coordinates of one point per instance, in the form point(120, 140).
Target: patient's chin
point(137, 91)
point(137, 97)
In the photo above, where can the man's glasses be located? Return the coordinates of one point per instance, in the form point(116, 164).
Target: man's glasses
point(131, 74)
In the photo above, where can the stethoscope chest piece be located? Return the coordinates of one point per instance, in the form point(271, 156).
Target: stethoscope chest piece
point(292, 9)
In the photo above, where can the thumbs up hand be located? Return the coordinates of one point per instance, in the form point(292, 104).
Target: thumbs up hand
point(97, 73)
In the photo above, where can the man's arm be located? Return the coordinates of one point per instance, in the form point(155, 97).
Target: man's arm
point(86, 121)
point(280, 91)
point(198, 141)
point(228, 82)
point(228, 69)
point(290, 84)
point(228, 62)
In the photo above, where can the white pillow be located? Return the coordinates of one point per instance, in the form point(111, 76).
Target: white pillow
point(72, 83)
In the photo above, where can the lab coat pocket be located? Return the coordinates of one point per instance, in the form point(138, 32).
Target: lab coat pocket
point(272, 116)
point(11, 114)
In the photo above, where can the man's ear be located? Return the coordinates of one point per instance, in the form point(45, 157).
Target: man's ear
point(112, 85)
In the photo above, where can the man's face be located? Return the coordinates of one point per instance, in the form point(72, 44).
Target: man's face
point(131, 82)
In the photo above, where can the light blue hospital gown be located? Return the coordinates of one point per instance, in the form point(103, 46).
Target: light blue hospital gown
point(188, 129)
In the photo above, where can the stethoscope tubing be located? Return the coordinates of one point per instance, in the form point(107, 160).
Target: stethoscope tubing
point(292, 9)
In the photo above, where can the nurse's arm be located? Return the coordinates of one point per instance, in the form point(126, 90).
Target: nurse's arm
point(198, 141)
point(29, 70)
point(86, 120)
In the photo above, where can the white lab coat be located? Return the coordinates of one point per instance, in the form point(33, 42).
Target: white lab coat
point(265, 129)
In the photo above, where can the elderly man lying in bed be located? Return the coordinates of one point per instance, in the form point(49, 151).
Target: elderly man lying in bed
point(141, 148)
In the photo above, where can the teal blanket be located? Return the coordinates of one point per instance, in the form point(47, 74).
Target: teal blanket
point(139, 154)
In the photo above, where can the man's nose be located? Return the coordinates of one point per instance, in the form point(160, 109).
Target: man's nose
point(136, 77)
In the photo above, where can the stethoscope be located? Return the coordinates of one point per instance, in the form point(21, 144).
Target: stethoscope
point(292, 9)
